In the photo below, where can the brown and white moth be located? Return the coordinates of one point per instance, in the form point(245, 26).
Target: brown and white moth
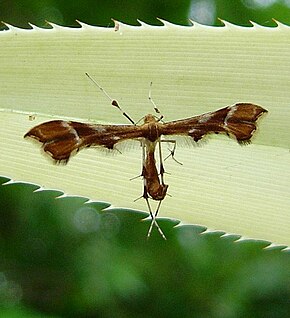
point(61, 139)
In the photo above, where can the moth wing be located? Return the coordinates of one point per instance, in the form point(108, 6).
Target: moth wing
point(62, 139)
point(238, 121)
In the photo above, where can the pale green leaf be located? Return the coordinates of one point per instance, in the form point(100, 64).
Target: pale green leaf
point(242, 190)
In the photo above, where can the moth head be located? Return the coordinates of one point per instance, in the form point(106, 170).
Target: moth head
point(149, 119)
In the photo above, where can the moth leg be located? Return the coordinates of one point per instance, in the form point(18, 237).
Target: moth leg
point(161, 170)
point(154, 222)
point(172, 151)
point(142, 144)
point(115, 148)
point(142, 172)
point(136, 177)
point(153, 217)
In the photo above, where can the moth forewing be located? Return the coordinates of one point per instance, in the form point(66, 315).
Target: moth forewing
point(237, 121)
point(61, 139)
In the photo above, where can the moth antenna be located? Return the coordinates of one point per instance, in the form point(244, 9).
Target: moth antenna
point(114, 102)
point(156, 109)
point(101, 88)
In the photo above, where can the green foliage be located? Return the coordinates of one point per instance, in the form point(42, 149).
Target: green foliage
point(66, 257)
point(100, 12)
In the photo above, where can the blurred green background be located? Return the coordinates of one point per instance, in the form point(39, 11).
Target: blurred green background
point(61, 258)
point(100, 12)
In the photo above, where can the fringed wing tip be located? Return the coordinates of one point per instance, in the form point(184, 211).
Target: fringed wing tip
point(244, 142)
point(60, 162)
point(63, 160)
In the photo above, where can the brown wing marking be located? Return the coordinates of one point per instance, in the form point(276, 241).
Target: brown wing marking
point(238, 121)
point(241, 121)
point(62, 139)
